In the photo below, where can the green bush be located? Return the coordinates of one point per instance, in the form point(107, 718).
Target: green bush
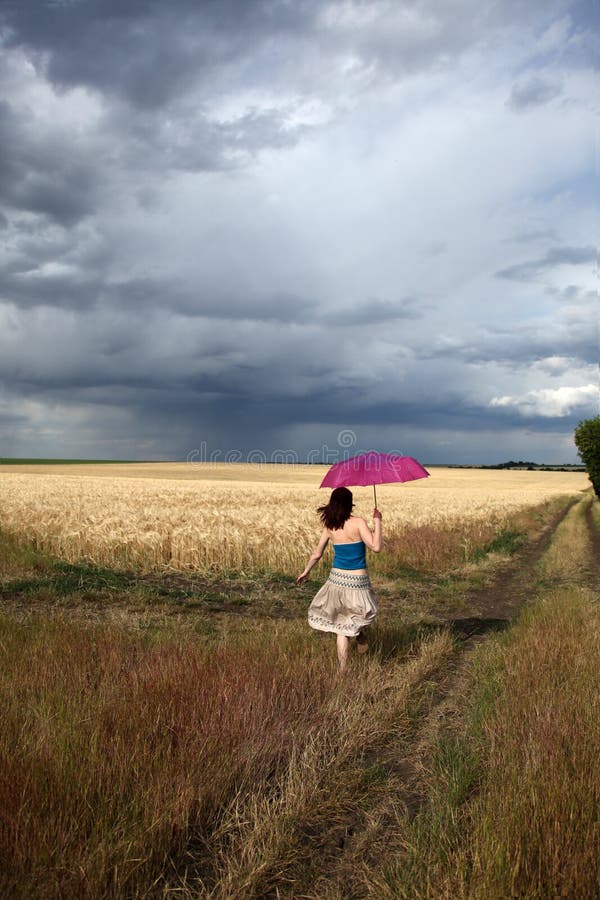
point(587, 441)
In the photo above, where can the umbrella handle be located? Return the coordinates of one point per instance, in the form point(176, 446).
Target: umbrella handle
point(375, 496)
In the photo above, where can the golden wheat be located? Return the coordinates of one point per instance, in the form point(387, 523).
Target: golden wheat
point(234, 517)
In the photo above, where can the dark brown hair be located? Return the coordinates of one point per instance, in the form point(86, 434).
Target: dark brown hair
point(338, 510)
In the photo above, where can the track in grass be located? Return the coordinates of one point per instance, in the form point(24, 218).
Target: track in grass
point(406, 763)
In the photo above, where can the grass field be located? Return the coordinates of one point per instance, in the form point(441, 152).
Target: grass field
point(182, 733)
point(247, 518)
point(512, 776)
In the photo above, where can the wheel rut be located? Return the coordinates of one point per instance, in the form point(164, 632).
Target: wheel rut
point(497, 607)
point(494, 609)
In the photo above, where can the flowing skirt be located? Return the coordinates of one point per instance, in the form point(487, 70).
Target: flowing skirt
point(344, 605)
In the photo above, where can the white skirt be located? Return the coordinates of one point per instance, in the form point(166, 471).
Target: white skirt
point(344, 605)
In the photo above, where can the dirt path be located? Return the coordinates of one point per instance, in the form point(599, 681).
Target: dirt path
point(408, 760)
point(496, 606)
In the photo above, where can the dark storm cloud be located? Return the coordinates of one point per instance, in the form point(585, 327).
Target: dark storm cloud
point(151, 52)
point(237, 405)
point(247, 421)
point(245, 417)
point(44, 173)
point(524, 346)
point(189, 141)
point(27, 287)
point(164, 278)
point(131, 51)
point(79, 290)
point(147, 51)
point(66, 178)
point(342, 404)
point(554, 257)
point(174, 57)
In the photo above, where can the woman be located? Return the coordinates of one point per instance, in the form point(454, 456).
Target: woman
point(346, 602)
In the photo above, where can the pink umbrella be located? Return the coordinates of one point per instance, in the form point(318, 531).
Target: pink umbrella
point(373, 468)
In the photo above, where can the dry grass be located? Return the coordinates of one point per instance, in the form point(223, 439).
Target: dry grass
point(239, 765)
point(127, 763)
point(279, 842)
point(248, 518)
point(512, 780)
point(570, 553)
point(535, 824)
point(116, 751)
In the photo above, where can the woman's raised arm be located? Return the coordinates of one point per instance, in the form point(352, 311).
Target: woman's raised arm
point(372, 539)
point(316, 556)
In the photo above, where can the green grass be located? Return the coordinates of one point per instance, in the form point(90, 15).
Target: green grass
point(36, 582)
point(506, 542)
point(68, 578)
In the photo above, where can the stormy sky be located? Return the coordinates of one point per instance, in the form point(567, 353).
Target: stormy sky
point(259, 225)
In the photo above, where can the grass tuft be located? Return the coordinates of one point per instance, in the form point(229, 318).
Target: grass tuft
point(506, 542)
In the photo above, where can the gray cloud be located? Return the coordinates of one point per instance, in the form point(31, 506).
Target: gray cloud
point(44, 173)
point(257, 222)
point(531, 91)
point(374, 312)
point(554, 257)
point(152, 52)
point(146, 52)
point(574, 293)
point(175, 421)
point(533, 236)
point(190, 141)
point(81, 289)
point(279, 307)
point(526, 346)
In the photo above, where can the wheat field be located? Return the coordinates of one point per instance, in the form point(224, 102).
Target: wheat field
point(235, 517)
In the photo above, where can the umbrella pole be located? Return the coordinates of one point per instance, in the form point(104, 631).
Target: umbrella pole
point(375, 496)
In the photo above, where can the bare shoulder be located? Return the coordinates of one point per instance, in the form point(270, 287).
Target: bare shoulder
point(357, 527)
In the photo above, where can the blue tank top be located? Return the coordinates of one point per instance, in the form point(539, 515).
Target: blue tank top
point(350, 556)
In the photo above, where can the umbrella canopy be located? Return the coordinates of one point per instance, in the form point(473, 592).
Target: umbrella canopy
point(373, 468)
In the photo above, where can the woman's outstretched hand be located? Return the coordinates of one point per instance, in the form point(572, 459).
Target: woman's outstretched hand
point(302, 578)
point(376, 514)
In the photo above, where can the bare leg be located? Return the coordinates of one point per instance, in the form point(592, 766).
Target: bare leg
point(343, 644)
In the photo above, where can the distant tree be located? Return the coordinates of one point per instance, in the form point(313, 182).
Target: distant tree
point(587, 441)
